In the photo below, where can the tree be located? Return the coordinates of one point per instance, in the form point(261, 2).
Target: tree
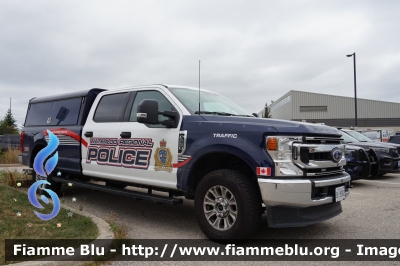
point(7, 125)
point(266, 113)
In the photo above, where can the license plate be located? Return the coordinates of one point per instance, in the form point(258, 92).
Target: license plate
point(340, 193)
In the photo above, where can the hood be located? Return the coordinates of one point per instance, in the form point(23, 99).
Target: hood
point(354, 147)
point(370, 144)
point(389, 144)
point(282, 126)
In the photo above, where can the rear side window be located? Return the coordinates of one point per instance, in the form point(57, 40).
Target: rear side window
point(110, 108)
point(63, 112)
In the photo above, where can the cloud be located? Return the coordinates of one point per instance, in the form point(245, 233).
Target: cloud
point(251, 52)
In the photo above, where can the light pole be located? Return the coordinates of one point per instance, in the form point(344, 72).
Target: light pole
point(355, 85)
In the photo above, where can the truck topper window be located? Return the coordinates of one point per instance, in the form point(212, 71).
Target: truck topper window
point(62, 112)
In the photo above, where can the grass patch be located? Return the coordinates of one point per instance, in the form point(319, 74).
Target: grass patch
point(29, 226)
point(10, 156)
point(120, 232)
point(14, 179)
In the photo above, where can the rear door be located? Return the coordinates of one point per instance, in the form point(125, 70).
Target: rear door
point(102, 132)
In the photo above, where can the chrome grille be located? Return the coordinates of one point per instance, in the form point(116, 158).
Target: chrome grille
point(321, 140)
point(314, 156)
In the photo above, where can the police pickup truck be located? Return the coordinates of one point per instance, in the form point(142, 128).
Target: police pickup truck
point(198, 145)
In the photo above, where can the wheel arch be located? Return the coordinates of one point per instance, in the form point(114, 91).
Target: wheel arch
point(233, 159)
point(35, 150)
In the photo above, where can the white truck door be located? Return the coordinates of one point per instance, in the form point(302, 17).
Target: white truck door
point(101, 132)
point(155, 147)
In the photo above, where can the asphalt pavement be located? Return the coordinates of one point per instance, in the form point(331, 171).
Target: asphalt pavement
point(372, 211)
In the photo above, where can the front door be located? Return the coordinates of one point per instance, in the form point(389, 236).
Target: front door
point(152, 149)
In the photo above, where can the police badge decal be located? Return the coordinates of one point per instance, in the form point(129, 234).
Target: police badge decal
point(163, 157)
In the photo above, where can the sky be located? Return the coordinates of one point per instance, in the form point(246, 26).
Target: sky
point(252, 52)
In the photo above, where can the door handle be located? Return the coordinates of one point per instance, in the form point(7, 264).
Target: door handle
point(125, 135)
point(88, 134)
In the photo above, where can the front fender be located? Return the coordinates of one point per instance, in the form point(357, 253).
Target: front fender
point(254, 156)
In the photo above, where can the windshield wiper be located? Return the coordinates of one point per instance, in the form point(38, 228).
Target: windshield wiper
point(214, 113)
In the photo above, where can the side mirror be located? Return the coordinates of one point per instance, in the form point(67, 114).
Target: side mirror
point(147, 112)
point(255, 114)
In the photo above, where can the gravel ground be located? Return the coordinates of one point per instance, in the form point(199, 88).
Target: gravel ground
point(372, 211)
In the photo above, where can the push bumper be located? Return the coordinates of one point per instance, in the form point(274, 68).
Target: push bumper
point(301, 193)
point(295, 217)
point(301, 202)
point(389, 165)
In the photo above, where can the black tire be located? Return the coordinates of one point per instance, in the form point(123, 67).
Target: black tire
point(247, 206)
point(55, 186)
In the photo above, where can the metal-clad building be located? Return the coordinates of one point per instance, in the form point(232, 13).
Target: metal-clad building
point(335, 110)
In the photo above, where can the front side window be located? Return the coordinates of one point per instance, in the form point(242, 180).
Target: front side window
point(358, 136)
point(163, 104)
point(110, 108)
point(348, 139)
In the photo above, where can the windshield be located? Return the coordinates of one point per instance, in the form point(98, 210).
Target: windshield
point(358, 136)
point(210, 103)
point(348, 138)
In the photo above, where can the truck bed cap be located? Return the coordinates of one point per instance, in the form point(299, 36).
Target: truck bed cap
point(64, 95)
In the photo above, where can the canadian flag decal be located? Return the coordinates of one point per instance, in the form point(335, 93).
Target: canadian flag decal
point(264, 171)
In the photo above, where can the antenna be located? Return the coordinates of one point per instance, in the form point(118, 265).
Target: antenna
point(199, 87)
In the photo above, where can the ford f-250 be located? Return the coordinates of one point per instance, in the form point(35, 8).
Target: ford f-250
point(166, 138)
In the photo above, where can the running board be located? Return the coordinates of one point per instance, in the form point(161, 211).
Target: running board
point(124, 192)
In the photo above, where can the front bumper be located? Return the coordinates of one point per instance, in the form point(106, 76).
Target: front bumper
point(295, 217)
point(301, 193)
point(389, 165)
point(361, 164)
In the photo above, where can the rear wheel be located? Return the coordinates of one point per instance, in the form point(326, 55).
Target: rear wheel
point(55, 186)
point(227, 205)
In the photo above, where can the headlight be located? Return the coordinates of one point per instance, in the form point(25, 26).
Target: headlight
point(384, 150)
point(280, 150)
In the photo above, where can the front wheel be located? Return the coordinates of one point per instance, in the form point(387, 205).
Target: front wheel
point(227, 205)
